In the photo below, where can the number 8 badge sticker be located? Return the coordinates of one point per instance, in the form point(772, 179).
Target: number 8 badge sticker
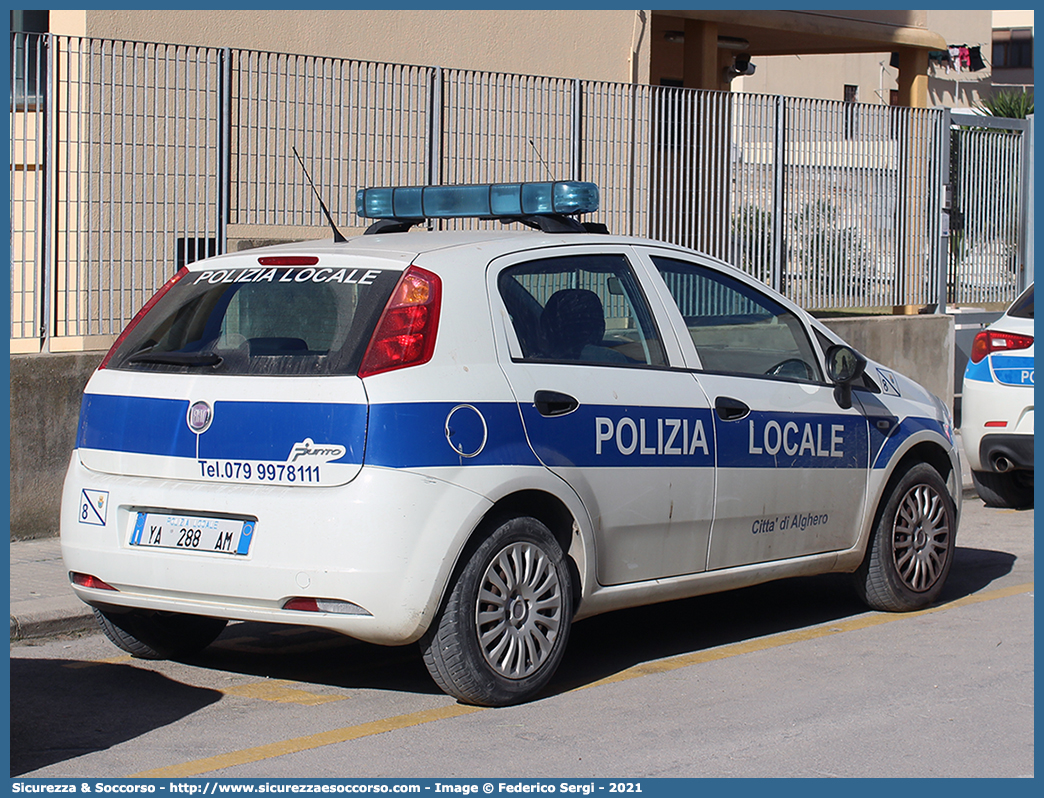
point(93, 507)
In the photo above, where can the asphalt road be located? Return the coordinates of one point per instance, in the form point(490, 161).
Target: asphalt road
point(793, 679)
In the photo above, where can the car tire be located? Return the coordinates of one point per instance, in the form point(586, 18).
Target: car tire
point(505, 624)
point(1013, 489)
point(159, 635)
point(912, 545)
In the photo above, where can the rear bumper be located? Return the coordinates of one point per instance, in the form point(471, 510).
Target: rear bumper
point(387, 542)
point(1003, 453)
point(1002, 413)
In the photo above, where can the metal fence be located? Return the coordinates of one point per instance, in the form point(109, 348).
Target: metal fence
point(988, 257)
point(131, 159)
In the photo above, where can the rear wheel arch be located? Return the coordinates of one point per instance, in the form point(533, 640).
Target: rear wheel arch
point(503, 622)
point(546, 508)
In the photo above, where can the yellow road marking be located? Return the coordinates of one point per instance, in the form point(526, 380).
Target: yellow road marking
point(277, 690)
point(297, 744)
point(799, 636)
point(118, 660)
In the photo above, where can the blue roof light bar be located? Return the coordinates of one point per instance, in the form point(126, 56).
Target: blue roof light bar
point(485, 200)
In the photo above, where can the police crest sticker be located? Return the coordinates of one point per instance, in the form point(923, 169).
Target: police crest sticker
point(889, 382)
point(94, 506)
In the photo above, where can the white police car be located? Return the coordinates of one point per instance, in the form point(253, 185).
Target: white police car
point(472, 439)
point(997, 408)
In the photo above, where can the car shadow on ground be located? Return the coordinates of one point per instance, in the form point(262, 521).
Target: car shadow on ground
point(608, 644)
point(973, 570)
point(599, 647)
point(63, 709)
point(307, 655)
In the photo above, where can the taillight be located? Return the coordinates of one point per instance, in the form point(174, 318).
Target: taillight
point(405, 335)
point(86, 580)
point(989, 341)
point(141, 314)
point(336, 606)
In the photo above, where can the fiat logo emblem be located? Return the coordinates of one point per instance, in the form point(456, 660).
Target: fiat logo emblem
point(199, 417)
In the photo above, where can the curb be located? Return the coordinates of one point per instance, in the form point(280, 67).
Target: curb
point(40, 622)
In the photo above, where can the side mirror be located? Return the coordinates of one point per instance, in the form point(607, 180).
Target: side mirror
point(844, 366)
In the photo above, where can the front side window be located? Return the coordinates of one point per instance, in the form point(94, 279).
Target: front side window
point(737, 329)
point(581, 309)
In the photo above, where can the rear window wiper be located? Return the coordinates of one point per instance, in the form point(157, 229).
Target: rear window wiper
point(176, 358)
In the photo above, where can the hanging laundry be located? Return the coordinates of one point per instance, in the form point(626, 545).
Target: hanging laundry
point(940, 58)
point(955, 56)
point(965, 57)
point(975, 63)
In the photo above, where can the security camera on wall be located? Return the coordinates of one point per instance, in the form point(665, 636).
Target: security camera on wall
point(740, 66)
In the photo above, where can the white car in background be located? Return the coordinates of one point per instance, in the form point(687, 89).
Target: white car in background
point(471, 439)
point(997, 408)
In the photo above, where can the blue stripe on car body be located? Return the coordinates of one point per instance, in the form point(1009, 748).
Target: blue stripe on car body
point(239, 430)
point(414, 435)
point(1013, 370)
point(907, 427)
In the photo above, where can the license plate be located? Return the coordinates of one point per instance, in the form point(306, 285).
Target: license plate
point(192, 533)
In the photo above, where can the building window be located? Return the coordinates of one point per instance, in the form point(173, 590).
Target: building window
point(28, 56)
point(1013, 49)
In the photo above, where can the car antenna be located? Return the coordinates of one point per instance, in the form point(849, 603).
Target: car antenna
point(338, 238)
point(590, 227)
point(541, 157)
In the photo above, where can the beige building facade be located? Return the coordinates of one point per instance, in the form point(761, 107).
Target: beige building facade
point(590, 45)
point(796, 53)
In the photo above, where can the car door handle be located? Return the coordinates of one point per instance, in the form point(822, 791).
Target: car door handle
point(553, 403)
point(729, 409)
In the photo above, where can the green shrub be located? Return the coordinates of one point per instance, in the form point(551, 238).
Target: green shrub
point(1010, 104)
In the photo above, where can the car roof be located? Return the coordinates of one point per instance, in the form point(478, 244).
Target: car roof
point(405, 246)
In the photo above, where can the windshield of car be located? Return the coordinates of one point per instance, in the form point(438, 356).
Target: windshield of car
point(1022, 308)
point(277, 321)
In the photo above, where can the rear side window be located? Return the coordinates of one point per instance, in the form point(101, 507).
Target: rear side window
point(581, 309)
point(275, 321)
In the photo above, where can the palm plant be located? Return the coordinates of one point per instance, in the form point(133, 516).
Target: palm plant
point(1011, 104)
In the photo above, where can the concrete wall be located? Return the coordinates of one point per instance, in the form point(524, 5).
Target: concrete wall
point(46, 389)
point(45, 408)
point(921, 347)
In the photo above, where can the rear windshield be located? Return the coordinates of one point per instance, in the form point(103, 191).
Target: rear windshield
point(1022, 308)
point(276, 321)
